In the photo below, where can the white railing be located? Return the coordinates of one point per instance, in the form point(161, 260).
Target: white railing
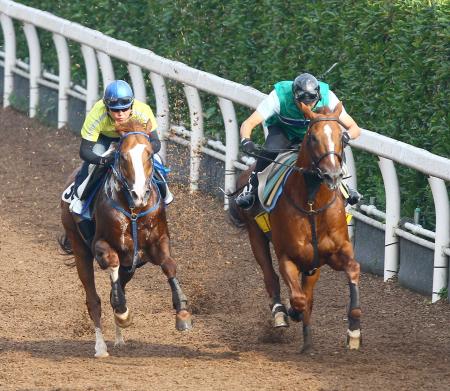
point(98, 49)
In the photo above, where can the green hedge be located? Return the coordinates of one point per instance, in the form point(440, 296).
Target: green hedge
point(393, 73)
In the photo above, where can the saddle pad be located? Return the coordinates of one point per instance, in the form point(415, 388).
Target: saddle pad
point(68, 194)
point(272, 178)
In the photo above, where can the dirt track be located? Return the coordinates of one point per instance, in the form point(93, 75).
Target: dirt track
point(47, 339)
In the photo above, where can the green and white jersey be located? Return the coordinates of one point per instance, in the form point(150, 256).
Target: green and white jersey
point(279, 108)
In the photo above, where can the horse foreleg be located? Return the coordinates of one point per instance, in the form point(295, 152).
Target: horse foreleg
point(109, 259)
point(299, 301)
point(308, 283)
point(354, 312)
point(125, 276)
point(261, 251)
point(183, 320)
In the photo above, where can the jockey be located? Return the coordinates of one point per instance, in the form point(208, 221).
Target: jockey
point(280, 111)
point(98, 132)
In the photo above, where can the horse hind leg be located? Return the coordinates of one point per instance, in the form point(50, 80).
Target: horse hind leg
point(85, 269)
point(261, 251)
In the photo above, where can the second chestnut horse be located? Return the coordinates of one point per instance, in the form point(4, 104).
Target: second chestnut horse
point(308, 228)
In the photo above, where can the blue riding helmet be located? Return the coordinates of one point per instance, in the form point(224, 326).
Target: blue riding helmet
point(118, 95)
point(306, 88)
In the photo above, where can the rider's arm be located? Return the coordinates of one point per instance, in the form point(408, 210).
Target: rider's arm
point(88, 155)
point(352, 128)
point(250, 123)
point(154, 140)
point(268, 107)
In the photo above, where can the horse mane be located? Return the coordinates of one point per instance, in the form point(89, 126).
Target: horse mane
point(323, 110)
point(131, 125)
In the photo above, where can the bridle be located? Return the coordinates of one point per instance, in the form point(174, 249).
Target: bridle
point(315, 169)
point(314, 176)
point(118, 173)
point(133, 216)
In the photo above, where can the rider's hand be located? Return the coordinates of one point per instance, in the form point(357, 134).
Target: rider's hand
point(346, 138)
point(248, 145)
point(107, 160)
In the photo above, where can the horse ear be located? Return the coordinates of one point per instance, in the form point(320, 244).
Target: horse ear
point(148, 126)
point(338, 109)
point(309, 114)
point(120, 128)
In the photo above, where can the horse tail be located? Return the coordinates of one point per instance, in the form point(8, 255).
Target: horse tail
point(66, 247)
point(234, 214)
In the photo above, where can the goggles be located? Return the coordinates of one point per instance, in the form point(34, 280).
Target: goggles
point(307, 97)
point(111, 102)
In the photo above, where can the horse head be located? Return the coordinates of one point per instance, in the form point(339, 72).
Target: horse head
point(322, 145)
point(133, 166)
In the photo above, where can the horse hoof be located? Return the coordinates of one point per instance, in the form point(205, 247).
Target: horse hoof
point(183, 321)
point(280, 319)
point(295, 315)
point(353, 339)
point(306, 349)
point(101, 354)
point(123, 320)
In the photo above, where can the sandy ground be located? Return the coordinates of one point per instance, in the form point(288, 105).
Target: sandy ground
point(47, 338)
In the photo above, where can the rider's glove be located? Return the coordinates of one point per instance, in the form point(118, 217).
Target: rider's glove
point(248, 145)
point(346, 138)
point(107, 160)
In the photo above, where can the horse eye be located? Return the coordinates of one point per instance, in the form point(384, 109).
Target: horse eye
point(313, 138)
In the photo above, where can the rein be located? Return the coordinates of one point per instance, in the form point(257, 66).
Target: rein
point(133, 216)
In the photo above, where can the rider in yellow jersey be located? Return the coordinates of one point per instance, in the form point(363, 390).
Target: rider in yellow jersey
point(100, 121)
point(98, 132)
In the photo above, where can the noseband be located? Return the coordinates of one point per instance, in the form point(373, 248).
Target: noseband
point(316, 161)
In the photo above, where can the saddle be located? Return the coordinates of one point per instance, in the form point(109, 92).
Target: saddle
point(271, 183)
point(272, 178)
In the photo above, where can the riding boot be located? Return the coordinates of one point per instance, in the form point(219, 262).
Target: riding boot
point(86, 228)
point(161, 173)
point(247, 197)
point(163, 187)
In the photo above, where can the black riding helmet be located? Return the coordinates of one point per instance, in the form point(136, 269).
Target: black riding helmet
point(306, 88)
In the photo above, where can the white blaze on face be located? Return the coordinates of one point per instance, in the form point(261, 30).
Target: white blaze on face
point(138, 166)
point(329, 132)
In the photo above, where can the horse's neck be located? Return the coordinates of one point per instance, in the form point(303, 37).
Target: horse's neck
point(300, 188)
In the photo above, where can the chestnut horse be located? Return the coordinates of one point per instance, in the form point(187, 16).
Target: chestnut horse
point(308, 228)
point(130, 230)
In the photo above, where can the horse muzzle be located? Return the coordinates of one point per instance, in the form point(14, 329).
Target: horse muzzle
point(332, 178)
point(140, 199)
